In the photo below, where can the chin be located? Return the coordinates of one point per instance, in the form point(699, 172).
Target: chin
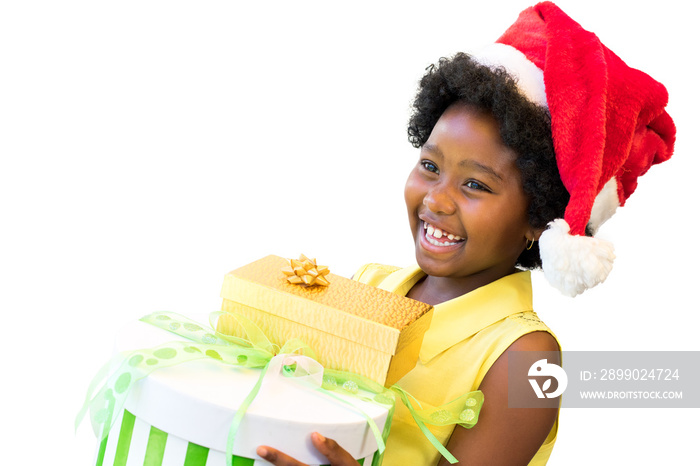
point(431, 266)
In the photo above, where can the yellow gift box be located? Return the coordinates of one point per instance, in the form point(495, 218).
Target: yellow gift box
point(351, 326)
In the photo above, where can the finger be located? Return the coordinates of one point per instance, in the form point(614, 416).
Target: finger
point(329, 448)
point(276, 457)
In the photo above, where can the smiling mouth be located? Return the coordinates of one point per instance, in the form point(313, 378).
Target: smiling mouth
point(440, 238)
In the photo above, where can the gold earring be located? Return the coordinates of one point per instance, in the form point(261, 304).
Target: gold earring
point(532, 242)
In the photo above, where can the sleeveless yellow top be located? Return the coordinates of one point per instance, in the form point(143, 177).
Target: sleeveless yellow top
point(466, 336)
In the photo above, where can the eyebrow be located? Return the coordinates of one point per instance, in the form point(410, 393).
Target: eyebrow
point(481, 167)
point(467, 163)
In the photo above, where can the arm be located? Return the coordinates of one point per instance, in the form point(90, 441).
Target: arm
point(505, 436)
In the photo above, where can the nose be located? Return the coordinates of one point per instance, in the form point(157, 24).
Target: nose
point(440, 199)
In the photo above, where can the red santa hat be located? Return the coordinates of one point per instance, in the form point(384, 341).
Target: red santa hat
point(608, 127)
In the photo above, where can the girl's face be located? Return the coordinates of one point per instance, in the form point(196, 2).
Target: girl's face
point(466, 205)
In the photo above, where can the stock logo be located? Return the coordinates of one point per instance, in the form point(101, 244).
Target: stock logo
point(543, 369)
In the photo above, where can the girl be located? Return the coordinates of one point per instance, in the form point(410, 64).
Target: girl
point(472, 220)
point(499, 161)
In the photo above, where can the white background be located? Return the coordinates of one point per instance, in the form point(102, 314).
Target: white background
point(150, 147)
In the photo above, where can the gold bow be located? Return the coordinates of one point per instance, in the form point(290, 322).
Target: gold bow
point(304, 271)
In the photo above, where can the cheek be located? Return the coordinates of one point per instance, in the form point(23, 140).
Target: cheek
point(413, 195)
point(513, 222)
point(501, 223)
point(413, 192)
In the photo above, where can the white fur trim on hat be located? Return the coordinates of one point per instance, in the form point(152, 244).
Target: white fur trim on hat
point(605, 205)
point(529, 78)
point(573, 263)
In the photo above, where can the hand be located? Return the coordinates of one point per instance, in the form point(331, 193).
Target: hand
point(327, 447)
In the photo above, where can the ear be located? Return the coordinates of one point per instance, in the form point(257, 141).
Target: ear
point(535, 233)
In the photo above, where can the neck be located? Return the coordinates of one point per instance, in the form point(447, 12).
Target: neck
point(435, 290)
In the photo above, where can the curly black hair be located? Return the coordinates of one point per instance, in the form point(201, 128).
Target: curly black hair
point(524, 126)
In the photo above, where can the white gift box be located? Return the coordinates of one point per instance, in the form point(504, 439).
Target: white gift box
point(181, 415)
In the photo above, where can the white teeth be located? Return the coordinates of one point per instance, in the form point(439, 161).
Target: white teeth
point(438, 243)
point(437, 233)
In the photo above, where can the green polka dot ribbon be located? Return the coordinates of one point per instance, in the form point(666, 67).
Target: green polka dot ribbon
point(109, 389)
point(463, 411)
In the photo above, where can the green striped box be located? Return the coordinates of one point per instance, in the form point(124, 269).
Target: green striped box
point(134, 442)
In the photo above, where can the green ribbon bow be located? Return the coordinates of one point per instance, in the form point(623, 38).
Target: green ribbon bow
point(293, 359)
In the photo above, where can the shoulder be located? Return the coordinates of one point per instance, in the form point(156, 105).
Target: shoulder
point(536, 338)
point(538, 341)
point(525, 331)
point(541, 340)
point(522, 331)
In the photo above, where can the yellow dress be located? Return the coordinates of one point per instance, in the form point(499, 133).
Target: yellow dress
point(466, 336)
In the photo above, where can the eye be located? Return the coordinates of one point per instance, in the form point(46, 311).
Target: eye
point(476, 186)
point(430, 166)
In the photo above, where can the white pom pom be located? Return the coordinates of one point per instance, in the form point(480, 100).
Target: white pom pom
point(573, 263)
